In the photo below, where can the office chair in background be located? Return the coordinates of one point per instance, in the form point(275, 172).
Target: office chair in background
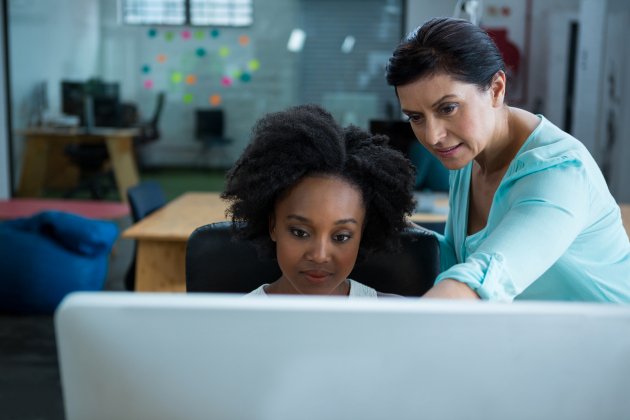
point(97, 104)
point(144, 199)
point(92, 158)
point(209, 130)
point(95, 174)
point(215, 262)
point(149, 130)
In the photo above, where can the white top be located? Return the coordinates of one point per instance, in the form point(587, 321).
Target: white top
point(554, 231)
point(356, 290)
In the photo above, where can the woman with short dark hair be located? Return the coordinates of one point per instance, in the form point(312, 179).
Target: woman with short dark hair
point(531, 216)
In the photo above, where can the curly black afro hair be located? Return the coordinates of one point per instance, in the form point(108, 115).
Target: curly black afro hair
point(305, 140)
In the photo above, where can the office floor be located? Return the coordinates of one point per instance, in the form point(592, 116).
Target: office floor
point(30, 387)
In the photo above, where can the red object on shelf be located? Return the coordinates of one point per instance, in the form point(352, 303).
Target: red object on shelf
point(25, 207)
point(509, 50)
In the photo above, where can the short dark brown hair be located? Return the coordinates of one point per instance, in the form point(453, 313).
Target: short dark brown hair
point(449, 46)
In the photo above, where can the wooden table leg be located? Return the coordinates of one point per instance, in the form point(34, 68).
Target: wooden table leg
point(33, 167)
point(161, 266)
point(124, 164)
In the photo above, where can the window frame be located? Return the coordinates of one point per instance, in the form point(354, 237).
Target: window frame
point(188, 18)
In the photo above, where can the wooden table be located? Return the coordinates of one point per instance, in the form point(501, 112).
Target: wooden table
point(44, 146)
point(162, 238)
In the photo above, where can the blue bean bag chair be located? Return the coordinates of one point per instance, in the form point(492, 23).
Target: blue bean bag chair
point(47, 256)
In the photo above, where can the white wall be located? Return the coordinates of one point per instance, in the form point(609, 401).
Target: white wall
point(48, 41)
point(589, 72)
point(543, 32)
point(419, 11)
point(602, 110)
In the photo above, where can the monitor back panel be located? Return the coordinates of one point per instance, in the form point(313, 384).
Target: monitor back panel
point(225, 357)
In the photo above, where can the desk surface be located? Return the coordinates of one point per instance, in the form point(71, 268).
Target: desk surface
point(79, 131)
point(179, 218)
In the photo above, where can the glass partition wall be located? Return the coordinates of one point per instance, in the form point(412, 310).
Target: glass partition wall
point(286, 52)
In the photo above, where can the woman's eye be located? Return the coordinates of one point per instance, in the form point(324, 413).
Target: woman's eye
point(342, 237)
point(299, 233)
point(414, 119)
point(448, 109)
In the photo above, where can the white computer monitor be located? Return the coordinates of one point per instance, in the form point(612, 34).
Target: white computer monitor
point(166, 356)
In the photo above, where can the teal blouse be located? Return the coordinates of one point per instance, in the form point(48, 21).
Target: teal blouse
point(554, 230)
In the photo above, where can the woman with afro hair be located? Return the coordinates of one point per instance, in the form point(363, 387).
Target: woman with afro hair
point(316, 197)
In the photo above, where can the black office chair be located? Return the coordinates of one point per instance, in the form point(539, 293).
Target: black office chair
point(150, 130)
point(94, 174)
point(90, 158)
point(144, 199)
point(209, 130)
point(97, 104)
point(215, 262)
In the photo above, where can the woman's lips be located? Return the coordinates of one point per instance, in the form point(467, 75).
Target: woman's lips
point(316, 276)
point(448, 151)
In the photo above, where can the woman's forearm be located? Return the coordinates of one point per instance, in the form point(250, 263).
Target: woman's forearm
point(451, 289)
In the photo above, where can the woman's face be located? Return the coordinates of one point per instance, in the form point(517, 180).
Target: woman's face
point(455, 121)
point(317, 229)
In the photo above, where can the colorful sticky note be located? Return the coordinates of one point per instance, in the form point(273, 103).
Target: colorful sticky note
point(246, 77)
point(186, 34)
point(169, 36)
point(176, 77)
point(161, 58)
point(224, 51)
point(152, 33)
point(191, 79)
point(146, 69)
point(148, 84)
point(199, 34)
point(188, 98)
point(226, 81)
point(214, 33)
point(215, 100)
point(243, 40)
point(253, 65)
point(201, 52)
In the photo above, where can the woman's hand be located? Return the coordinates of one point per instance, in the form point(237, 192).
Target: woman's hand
point(451, 289)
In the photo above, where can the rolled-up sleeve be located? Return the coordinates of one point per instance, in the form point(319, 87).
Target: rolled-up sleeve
point(533, 221)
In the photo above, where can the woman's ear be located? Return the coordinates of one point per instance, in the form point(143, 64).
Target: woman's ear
point(272, 227)
point(497, 88)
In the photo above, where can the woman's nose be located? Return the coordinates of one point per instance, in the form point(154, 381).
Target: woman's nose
point(433, 132)
point(319, 250)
